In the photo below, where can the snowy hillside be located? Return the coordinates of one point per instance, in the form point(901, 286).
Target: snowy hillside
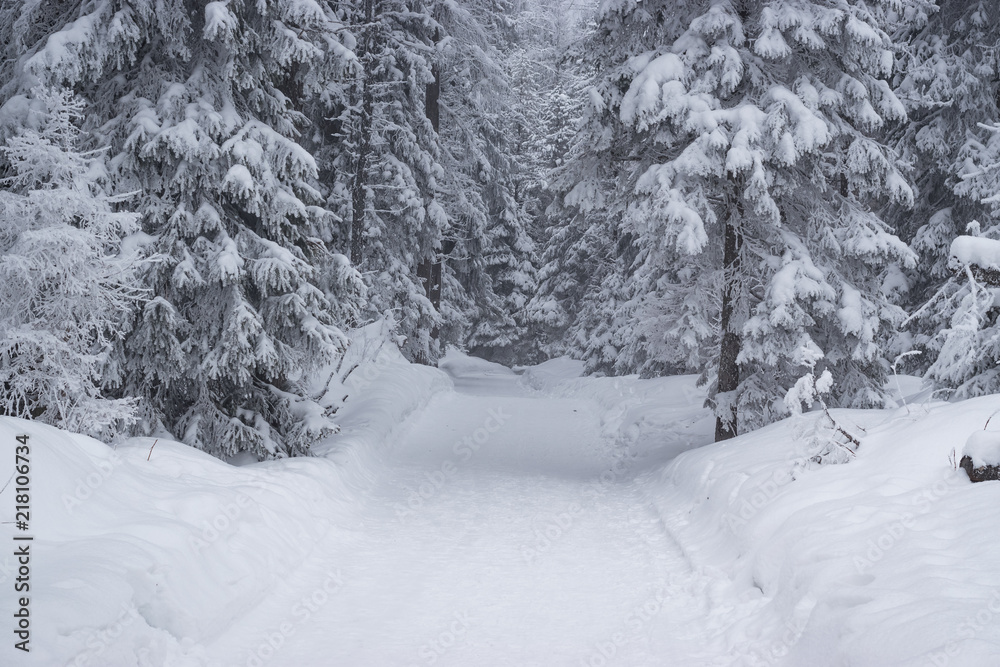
point(482, 516)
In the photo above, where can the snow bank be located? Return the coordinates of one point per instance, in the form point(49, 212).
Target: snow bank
point(145, 553)
point(138, 561)
point(382, 391)
point(977, 251)
point(888, 560)
point(550, 374)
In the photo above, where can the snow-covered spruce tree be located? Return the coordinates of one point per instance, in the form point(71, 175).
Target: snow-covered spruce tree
point(587, 297)
point(463, 64)
point(383, 168)
point(492, 254)
point(740, 137)
point(194, 100)
point(948, 82)
point(967, 345)
point(502, 332)
point(951, 89)
point(581, 281)
point(572, 254)
point(548, 86)
point(67, 288)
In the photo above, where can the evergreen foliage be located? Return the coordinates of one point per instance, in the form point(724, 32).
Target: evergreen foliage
point(67, 277)
point(951, 63)
point(736, 145)
point(753, 190)
point(492, 253)
point(191, 100)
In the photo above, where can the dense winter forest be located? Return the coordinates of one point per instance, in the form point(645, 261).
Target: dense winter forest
point(500, 333)
point(792, 198)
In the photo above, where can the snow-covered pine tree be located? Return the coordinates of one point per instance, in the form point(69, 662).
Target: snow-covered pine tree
point(949, 84)
point(195, 101)
point(493, 256)
point(967, 346)
point(549, 82)
point(383, 169)
point(581, 280)
point(740, 138)
point(586, 290)
point(67, 285)
point(549, 87)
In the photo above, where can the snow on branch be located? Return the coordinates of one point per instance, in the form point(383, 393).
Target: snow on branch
point(980, 255)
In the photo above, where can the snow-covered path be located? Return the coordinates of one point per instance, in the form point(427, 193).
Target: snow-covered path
point(504, 531)
point(473, 521)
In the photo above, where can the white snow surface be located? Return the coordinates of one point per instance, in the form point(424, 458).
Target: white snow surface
point(480, 516)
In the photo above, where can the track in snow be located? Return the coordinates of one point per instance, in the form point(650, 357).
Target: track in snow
point(504, 531)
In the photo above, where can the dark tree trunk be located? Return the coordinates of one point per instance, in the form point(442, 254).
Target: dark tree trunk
point(430, 269)
point(431, 105)
point(359, 188)
point(729, 370)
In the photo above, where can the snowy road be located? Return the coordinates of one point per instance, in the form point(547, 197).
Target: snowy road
point(504, 531)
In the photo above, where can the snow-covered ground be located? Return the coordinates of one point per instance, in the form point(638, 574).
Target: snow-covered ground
point(475, 515)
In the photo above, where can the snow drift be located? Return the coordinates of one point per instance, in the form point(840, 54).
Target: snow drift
point(888, 560)
point(144, 552)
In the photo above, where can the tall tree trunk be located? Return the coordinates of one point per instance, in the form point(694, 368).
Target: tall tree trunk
point(731, 342)
point(359, 188)
point(430, 269)
point(432, 107)
point(729, 370)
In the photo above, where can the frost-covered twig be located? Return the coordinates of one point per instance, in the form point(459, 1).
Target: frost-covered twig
point(824, 453)
point(895, 375)
point(995, 413)
point(839, 429)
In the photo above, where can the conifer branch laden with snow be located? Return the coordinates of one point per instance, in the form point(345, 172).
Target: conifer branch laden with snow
point(67, 275)
point(829, 442)
point(967, 347)
point(946, 79)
